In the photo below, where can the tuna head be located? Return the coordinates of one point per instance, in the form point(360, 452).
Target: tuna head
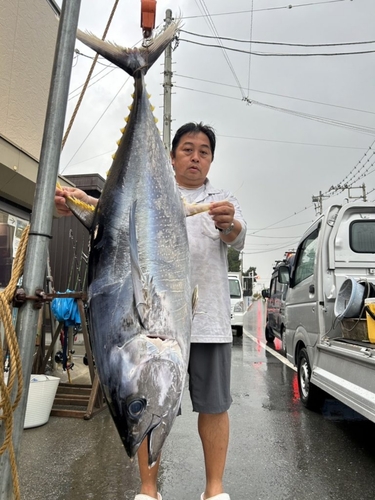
point(143, 391)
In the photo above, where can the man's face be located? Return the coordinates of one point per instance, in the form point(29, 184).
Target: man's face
point(192, 160)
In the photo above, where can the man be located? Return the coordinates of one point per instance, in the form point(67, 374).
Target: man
point(209, 234)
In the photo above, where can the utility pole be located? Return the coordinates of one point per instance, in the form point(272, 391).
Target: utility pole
point(167, 112)
point(319, 201)
point(364, 195)
point(41, 221)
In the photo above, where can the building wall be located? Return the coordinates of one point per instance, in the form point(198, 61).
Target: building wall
point(28, 31)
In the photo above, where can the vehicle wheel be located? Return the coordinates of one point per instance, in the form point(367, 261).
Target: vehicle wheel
point(239, 330)
point(270, 337)
point(312, 397)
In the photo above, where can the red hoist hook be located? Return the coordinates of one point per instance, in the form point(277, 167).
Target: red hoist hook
point(148, 14)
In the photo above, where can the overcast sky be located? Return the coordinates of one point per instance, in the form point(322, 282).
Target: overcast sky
point(273, 115)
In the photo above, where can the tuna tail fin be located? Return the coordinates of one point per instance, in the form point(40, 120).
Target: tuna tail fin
point(131, 60)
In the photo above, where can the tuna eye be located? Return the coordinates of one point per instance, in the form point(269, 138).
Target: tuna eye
point(136, 408)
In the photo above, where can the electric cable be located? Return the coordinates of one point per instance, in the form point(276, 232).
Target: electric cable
point(277, 95)
point(329, 121)
point(88, 77)
point(281, 54)
point(288, 7)
point(278, 43)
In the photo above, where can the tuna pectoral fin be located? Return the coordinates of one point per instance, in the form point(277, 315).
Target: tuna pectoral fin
point(83, 211)
point(131, 60)
point(136, 271)
point(195, 208)
point(194, 300)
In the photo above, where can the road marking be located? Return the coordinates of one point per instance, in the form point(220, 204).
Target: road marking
point(271, 351)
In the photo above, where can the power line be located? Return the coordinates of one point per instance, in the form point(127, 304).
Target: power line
point(249, 42)
point(279, 95)
point(288, 142)
point(92, 82)
point(328, 121)
point(279, 43)
point(211, 24)
point(288, 7)
point(95, 124)
point(287, 244)
point(280, 54)
point(281, 220)
point(353, 172)
point(275, 228)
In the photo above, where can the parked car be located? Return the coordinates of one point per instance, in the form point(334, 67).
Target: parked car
point(276, 294)
point(236, 302)
point(329, 331)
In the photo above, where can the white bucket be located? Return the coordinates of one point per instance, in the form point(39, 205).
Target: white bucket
point(349, 301)
point(42, 392)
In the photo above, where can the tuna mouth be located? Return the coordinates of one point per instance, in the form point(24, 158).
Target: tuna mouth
point(153, 448)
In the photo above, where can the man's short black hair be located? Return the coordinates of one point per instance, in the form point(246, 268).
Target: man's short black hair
point(194, 128)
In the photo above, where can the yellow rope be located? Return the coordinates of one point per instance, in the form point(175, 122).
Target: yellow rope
point(6, 406)
point(88, 78)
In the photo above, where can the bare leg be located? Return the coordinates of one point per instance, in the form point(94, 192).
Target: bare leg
point(214, 433)
point(148, 476)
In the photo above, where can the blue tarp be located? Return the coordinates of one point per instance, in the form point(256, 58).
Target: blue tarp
point(66, 310)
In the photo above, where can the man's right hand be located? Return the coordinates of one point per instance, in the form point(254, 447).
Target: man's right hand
point(62, 192)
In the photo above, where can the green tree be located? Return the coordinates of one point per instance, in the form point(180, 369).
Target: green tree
point(234, 260)
point(252, 271)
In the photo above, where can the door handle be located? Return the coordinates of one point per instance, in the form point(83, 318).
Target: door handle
point(312, 289)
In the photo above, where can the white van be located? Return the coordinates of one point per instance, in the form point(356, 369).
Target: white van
point(333, 352)
point(236, 302)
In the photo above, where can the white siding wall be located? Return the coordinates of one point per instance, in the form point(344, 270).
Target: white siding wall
point(28, 30)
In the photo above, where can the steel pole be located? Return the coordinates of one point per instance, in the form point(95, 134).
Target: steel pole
point(41, 220)
point(167, 113)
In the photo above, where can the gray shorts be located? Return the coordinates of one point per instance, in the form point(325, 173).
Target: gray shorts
point(209, 377)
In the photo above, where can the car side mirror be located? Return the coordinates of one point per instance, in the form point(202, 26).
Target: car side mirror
point(283, 275)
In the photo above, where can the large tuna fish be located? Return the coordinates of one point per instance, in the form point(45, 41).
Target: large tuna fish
point(139, 296)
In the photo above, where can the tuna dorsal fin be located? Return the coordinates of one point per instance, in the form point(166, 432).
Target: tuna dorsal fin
point(131, 60)
point(137, 275)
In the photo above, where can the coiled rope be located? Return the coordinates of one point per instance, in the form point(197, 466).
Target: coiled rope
point(6, 406)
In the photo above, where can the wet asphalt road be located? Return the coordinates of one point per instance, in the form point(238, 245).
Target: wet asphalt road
point(278, 450)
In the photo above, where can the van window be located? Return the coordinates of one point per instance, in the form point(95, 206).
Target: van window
point(306, 257)
point(362, 236)
point(234, 289)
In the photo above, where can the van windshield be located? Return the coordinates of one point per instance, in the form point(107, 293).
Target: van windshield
point(234, 289)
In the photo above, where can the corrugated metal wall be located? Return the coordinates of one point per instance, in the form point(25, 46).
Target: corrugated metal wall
point(70, 242)
point(68, 252)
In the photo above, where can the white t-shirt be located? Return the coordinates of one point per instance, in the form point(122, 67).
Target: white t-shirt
point(209, 266)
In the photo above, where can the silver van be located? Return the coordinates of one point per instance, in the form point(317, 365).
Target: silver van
point(333, 353)
point(276, 295)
